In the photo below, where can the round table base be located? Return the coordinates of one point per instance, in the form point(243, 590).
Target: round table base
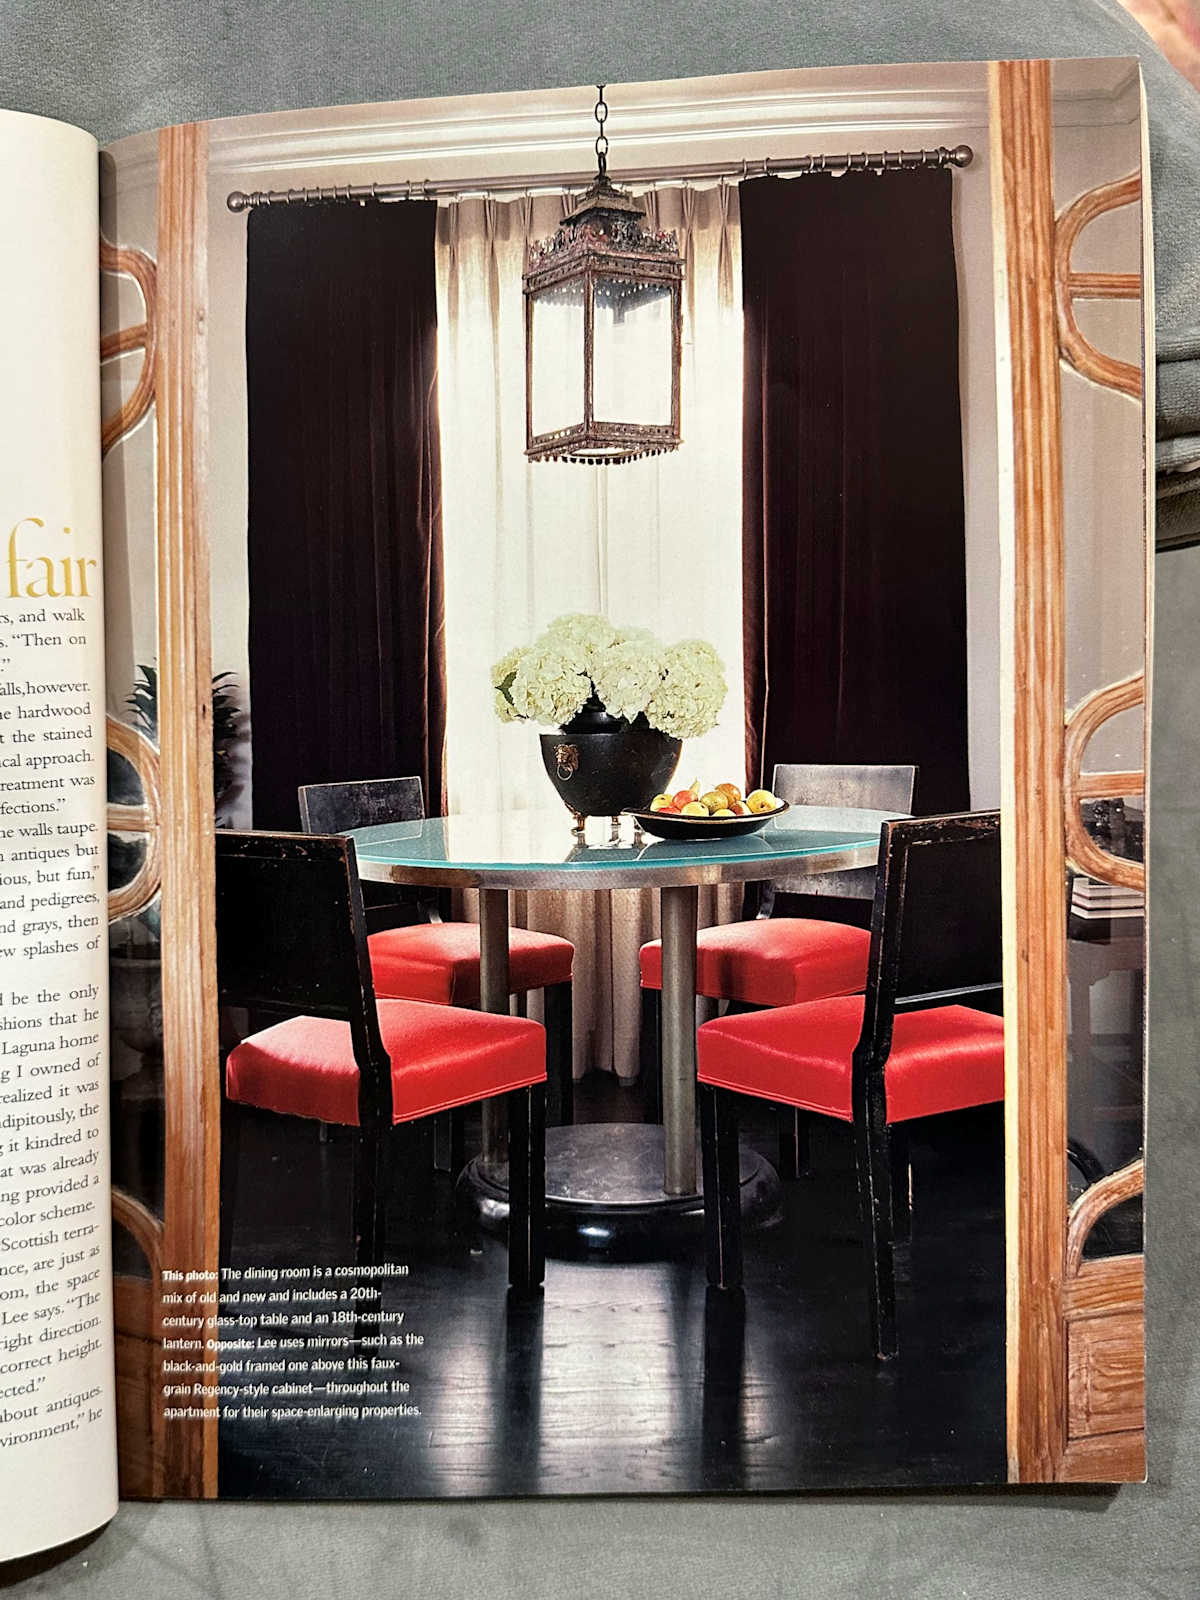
point(604, 1195)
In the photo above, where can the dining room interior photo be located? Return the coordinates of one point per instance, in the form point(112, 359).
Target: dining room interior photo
point(605, 529)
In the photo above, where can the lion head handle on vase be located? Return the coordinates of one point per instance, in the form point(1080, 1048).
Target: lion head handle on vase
point(619, 703)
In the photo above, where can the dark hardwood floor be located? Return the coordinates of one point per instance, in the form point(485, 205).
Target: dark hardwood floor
point(631, 1379)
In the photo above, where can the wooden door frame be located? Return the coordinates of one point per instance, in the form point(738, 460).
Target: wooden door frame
point(179, 1459)
point(191, 1066)
point(1061, 1309)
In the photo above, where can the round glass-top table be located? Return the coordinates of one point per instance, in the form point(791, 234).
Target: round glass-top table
point(498, 852)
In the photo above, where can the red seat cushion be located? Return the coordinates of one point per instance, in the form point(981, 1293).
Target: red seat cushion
point(439, 961)
point(941, 1060)
point(772, 961)
point(441, 1056)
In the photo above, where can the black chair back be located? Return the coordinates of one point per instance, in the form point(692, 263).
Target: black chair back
point(291, 940)
point(360, 803)
point(936, 918)
point(868, 788)
point(364, 803)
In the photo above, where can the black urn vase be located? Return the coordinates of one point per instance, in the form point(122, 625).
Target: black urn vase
point(602, 765)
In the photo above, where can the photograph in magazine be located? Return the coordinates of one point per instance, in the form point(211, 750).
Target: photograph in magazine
point(626, 631)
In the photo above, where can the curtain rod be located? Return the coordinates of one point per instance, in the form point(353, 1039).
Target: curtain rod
point(835, 165)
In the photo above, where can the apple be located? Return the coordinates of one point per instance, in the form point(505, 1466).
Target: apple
point(762, 800)
point(724, 812)
point(660, 802)
point(694, 809)
point(683, 797)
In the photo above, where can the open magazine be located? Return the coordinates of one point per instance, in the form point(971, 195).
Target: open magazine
point(572, 771)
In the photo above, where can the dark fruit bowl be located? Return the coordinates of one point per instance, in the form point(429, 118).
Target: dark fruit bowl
point(665, 826)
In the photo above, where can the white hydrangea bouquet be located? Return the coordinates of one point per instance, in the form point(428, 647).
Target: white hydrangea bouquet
point(582, 661)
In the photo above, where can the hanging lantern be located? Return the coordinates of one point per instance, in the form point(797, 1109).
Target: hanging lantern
point(602, 330)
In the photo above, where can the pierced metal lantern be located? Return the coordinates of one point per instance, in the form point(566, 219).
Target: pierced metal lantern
point(603, 331)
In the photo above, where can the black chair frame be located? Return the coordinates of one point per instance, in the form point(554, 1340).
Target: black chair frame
point(362, 803)
point(871, 787)
point(291, 941)
point(935, 941)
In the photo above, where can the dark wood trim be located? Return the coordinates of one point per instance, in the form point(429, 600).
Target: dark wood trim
point(526, 1190)
point(560, 1064)
point(722, 1190)
point(880, 1148)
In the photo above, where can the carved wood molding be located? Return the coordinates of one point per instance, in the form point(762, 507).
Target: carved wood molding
point(1104, 1307)
point(1070, 286)
point(145, 819)
point(135, 264)
point(143, 1226)
point(137, 1311)
point(1082, 850)
point(1092, 1204)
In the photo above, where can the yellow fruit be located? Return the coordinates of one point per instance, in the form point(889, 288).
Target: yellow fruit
point(694, 809)
point(724, 812)
point(714, 800)
point(695, 788)
point(762, 800)
point(659, 801)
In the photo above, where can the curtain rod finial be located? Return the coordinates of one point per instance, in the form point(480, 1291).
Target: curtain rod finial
point(962, 155)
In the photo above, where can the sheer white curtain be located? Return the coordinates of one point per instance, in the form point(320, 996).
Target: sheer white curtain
point(655, 543)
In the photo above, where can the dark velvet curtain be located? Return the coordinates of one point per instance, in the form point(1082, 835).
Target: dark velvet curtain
point(853, 530)
point(347, 671)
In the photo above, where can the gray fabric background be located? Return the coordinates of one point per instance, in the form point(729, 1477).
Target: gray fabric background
point(117, 67)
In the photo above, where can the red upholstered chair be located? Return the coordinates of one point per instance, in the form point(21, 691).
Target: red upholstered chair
point(780, 961)
point(922, 1040)
point(291, 940)
point(439, 961)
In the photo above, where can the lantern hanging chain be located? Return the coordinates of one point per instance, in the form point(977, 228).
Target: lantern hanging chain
point(601, 115)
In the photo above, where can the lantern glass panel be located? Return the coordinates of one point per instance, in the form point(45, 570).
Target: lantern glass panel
point(556, 371)
point(633, 355)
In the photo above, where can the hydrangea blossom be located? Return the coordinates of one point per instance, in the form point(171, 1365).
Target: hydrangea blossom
point(503, 674)
point(627, 675)
point(581, 635)
point(678, 689)
point(549, 685)
point(692, 692)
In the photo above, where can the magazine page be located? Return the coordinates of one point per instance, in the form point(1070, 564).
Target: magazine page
point(57, 1395)
point(630, 958)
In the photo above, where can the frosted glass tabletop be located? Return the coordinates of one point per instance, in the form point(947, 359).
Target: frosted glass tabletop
point(537, 850)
